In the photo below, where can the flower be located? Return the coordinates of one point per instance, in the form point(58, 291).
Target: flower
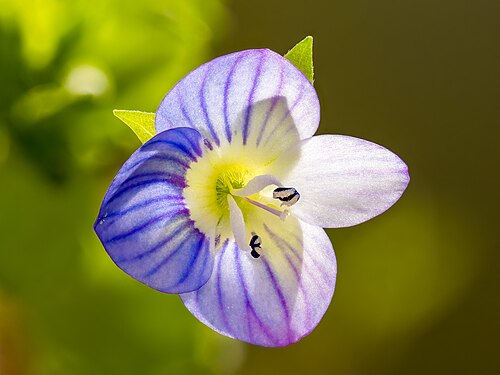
point(225, 205)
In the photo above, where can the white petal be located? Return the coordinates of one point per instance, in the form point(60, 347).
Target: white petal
point(342, 181)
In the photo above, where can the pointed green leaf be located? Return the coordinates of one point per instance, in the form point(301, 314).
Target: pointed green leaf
point(302, 57)
point(142, 123)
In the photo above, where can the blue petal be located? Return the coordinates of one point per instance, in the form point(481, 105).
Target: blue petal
point(246, 96)
point(274, 300)
point(144, 223)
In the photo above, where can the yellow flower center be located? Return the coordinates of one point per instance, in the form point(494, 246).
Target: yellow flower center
point(230, 177)
point(212, 177)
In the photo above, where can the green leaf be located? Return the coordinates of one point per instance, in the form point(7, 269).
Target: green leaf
point(302, 57)
point(142, 123)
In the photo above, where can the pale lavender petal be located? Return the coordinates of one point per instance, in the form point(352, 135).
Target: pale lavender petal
point(144, 223)
point(274, 300)
point(253, 97)
point(342, 180)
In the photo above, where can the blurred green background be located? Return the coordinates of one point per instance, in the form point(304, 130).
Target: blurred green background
point(418, 287)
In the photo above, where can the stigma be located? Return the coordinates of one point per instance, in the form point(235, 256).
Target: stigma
point(287, 196)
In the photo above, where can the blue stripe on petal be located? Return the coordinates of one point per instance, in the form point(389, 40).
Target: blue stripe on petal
point(174, 232)
point(162, 159)
point(250, 106)
point(166, 198)
point(144, 223)
point(218, 288)
point(257, 329)
point(204, 107)
point(273, 106)
point(227, 86)
point(220, 99)
point(274, 300)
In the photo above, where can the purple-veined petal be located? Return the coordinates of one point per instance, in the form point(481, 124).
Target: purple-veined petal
point(253, 97)
point(144, 223)
point(274, 300)
point(342, 181)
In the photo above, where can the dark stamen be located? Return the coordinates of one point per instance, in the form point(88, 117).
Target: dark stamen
point(255, 243)
point(254, 254)
point(288, 196)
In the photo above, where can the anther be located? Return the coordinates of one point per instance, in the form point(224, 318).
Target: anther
point(255, 254)
point(255, 243)
point(288, 196)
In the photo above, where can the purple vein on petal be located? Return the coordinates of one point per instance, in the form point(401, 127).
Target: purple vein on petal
point(218, 286)
point(156, 268)
point(140, 227)
point(196, 146)
point(315, 264)
point(175, 199)
point(313, 260)
point(154, 173)
point(285, 245)
point(208, 144)
point(229, 82)
point(175, 180)
point(289, 111)
point(249, 307)
point(274, 102)
point(301, 286)
point(146, 183)
point(156, 247)
point(183, 109)
point(281, 297)
point(178, 146)
point(285, 248)
point(203, 104)
point(202, 246)
point(250, 103)
point(118, 193)
point(165, 158)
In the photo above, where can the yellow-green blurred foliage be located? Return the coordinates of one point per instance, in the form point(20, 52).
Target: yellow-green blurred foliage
point(417, 289)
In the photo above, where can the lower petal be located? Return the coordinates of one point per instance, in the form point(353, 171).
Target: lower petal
point(144, 223)
point(274, 300)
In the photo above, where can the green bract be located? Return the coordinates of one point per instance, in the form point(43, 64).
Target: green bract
point(302, 57)
point(142, 123)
